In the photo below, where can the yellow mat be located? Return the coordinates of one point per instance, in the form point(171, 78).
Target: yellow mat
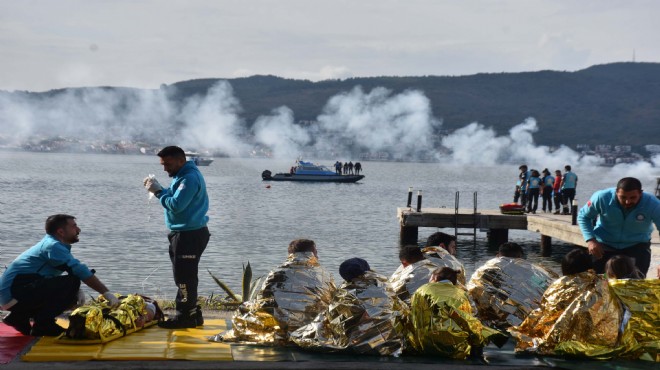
point(147, 344)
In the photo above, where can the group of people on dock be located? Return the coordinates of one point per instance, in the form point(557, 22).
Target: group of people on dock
point(348, 168)
point(558, 189)
point(600, 308)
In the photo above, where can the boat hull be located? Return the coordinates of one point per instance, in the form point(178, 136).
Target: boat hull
point(314, 178)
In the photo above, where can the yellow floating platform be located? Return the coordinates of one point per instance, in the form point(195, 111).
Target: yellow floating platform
point(147, 344)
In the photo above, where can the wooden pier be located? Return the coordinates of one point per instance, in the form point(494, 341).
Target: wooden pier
point(497, 225)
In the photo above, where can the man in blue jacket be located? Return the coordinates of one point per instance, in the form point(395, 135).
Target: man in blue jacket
point(33, 286)
point(625, 222)
point(186, 203)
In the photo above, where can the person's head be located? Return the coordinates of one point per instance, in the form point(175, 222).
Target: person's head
point(446, 241)
point(558, 172)
point(444, 273)
point(512, 250)
point(410, 254)
point(576, 261)
point(628, 192)
point(546, 172)
point(63, 228)
point(302, 245)
point(353, 268)
point(622, 267)
point(172, 158)
point(567, 167)
point(523, 168)
point(535, 173)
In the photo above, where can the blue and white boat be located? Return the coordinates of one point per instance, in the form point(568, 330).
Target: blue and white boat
point(310, 172)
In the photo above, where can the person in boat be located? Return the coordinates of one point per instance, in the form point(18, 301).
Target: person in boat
point(624, 222)
point(292, 295)
point(186, 203)
point(362, 317)
point(33, 287)
point(441, 320)
point(507, 288)
point(345, 168)
point(358, 168)
point(350, 167)
point(338, 167)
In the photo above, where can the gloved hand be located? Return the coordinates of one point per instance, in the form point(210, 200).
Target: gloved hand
point(81, 298)
point(113, 302)
point(152, 185)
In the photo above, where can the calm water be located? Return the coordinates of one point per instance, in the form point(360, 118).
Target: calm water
point(124, 238)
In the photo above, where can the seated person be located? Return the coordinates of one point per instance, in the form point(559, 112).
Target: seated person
point(578, 315)
point(441, 320)
point(290, 297)
point(622, 267)
point(440, 248)
point(361, 318)
point(33, 287)
point(507, 288)
point(414, 271)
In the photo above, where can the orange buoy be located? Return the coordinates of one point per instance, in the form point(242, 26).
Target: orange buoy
point(267, 186)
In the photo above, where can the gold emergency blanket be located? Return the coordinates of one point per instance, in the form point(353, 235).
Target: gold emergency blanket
point(441, 322)
point(364, 317)
point(578, 316)
point(290, 297)
point(642, 299)
point(505, 290)
point(441, 258)
point(97, 321)
point(406, 280)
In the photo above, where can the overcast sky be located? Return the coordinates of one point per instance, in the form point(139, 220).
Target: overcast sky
point(144, 43)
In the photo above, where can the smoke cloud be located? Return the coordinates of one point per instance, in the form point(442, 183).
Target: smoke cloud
point(353, 125)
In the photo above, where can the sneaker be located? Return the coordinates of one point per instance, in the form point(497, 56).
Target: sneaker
point(198, 316)
point(46, 330)
point(565, 213)
point(19, 322)
point(179, 323)
point(556, 212)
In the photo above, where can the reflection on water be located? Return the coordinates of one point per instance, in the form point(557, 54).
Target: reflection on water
point(124, 238)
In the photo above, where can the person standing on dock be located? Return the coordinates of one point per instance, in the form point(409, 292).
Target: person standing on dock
point(548, 182)
point(556, 191)
point(186, 203)
point(625, 222)
point(523, 176)
point(568, 185)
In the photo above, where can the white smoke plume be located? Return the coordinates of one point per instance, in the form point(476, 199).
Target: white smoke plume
point(279, 133)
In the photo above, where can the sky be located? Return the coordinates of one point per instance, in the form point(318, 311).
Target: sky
point(145, 43)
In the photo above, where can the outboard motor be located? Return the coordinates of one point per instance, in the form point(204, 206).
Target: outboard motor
point(266, 175)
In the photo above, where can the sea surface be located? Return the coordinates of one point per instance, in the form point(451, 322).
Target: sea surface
point(124, 237)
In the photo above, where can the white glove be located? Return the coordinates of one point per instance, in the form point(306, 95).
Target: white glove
point(81, 298)
point(113, 302)
point(152, 185)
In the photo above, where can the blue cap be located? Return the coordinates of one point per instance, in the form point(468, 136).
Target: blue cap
point(352, 268)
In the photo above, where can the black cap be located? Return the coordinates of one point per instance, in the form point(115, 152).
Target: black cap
point(352, 268)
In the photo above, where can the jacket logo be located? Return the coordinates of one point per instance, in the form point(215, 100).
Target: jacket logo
point(640, 217)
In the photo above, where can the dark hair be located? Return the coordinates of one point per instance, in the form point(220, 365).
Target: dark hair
point(438, 238)
point(522, 166)
point(444, 273)
point(629, 184)
point(567, 167)
point(511, 249)
point(535, 173)
point(352, 268)
point(56, 222)
point(545, 170)
point(172, 151)
point(302, 245)
point(410, 254)
point(622, 267)
point(576, 261)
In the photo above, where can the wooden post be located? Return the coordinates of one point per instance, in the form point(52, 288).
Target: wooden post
point(408, 235)
point(497, 237)
point(546, 246)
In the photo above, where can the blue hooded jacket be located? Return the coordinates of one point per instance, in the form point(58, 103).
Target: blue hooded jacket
point(186, 201)
point(616, 228)
point(50, 257)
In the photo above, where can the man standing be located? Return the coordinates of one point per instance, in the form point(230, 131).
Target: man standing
point(33, 285)
point(186, 203)
point(568, 185)
point(625, 222)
